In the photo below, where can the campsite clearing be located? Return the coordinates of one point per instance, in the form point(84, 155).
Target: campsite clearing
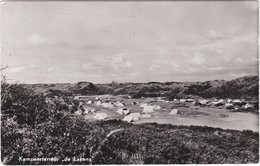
point(187, 113)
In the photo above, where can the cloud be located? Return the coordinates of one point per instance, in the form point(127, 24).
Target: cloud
point(129, 64)
point(89, 66)
point(176, 66)
point(52, 69)
point(252, 5)
point(113, 40)
point(119, 62)
point(197, 60)
point(16, 69)
point(36, 40)
point(214, 35)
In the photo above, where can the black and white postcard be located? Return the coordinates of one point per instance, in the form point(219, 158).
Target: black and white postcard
point(129, 82)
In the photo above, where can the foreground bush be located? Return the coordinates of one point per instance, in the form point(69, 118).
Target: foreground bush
point(25, 105)
point(134, 144)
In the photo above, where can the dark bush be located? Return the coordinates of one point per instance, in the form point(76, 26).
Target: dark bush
point(26, 105)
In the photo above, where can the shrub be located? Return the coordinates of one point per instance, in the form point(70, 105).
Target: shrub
point(26, 105)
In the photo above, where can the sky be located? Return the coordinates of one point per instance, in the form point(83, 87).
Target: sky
point(101, 42)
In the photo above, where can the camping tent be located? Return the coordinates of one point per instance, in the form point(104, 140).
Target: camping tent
point(156, 107)
point(101, 116)
point(143, 105)
point(126, 111)
point(93, 110)
point(229, 106)
point(148, 109)
point(108, 105)
point(146, 115)
point(98, 102)
point(220, 102)
point(122, 111)
point(190, 100)
point(203, 102)
point(119, 104)
point(132, 117)
point(229, 100)
point(174, 112)
point(78, 112)
point(249, 105)
point(182, 100)
point(85, 109)
point(237, 101)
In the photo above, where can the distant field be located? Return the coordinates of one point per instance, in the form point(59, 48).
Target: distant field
point(191, 115)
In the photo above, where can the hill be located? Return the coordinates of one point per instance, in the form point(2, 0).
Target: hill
point(244, 87)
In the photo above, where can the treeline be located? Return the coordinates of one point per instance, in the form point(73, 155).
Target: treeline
point(241, 88)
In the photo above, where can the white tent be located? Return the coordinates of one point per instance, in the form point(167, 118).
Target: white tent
point(182, 100)
point(132, 117)
point(161, 100)
point(156, 107)
point(220, 101)
point(229, 106)
point(148, 109)
point(190, 100)
point(101, 116)
point(146, 115)
point(86, 109)
point(143, 105)
point(128, 118)
point(93, 110)
point(119, 104)
point(126, 111)
point(174, 112)
point(203, 102)
point(237, 101)
point(78, 112)
point(249, 105)
point(108, 105)
point(70, 107)
point(98, 102)
point(105, 105)
point(122, 111)
point(81, 103)
point(229, 100)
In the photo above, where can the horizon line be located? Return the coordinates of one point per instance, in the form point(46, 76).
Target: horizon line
point(136, 82)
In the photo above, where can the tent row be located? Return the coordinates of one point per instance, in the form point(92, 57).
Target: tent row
point(228, 104)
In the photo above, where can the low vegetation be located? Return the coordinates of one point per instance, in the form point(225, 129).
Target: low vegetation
point(240, 88)
point(145, 143)
point(34, 129)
